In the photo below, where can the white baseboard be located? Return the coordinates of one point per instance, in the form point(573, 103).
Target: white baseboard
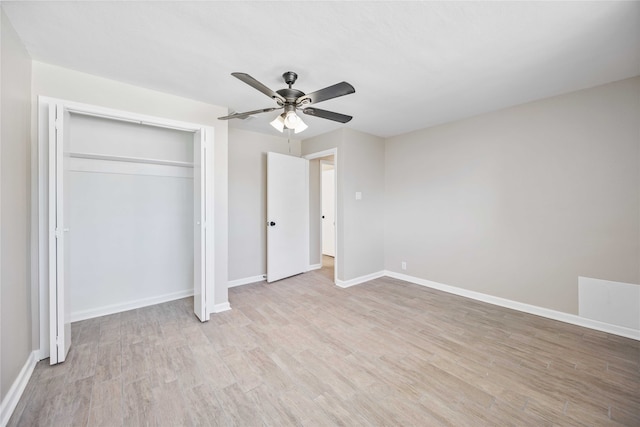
point(519, 306)
point(246, 280)
point(40, 354)
point(262, 277)
point(614, 303)
point(219, 308)
point(14, 394)
point(129, 305)
point(358, 280)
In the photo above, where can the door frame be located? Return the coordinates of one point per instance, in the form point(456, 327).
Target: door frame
point(43, 185)
point(319, 154)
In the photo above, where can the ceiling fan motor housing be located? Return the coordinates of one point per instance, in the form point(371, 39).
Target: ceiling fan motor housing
point(289, 94)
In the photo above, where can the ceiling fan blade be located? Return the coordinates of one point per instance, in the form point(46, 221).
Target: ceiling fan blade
point(338, 89)
point(257, 85)
point(324, 114)
point(248, 113)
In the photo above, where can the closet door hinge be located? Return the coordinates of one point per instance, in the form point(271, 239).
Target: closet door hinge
point(59, 232)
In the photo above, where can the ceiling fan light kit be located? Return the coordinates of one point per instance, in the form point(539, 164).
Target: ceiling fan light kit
point(278, 123)
point(291, 99)
point(289, 120)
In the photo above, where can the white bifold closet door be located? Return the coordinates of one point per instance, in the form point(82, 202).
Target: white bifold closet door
point(200, 226)
point(59, 253)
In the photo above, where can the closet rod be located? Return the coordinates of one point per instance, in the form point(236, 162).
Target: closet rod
point(94, 156)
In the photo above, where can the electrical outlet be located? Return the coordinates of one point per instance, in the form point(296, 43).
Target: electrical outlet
point(403, 265)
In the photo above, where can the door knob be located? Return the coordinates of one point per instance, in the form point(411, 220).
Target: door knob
point(272, 223)
point(322, 216)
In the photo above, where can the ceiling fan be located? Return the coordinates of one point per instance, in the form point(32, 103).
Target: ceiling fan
point(291, 99)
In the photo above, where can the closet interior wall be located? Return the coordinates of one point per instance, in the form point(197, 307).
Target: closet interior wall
point(130, 192)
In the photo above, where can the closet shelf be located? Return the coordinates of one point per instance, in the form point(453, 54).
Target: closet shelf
point(94, 156)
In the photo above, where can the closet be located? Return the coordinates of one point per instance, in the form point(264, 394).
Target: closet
point(130, 215)
point(125, 224)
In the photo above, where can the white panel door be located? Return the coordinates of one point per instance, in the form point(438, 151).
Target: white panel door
point(59, 253)
point(328, 212)
point(200, 246)
point(287, 216)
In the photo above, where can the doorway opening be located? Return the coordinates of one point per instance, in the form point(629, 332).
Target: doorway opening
point(130, 212)
point(324, 227)
point(328, 210)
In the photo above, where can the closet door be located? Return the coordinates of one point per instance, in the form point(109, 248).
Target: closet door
point(59, 301)
point(200, 274)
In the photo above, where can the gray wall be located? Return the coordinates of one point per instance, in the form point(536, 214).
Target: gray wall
point(248, 199)
point(15, 304)
point(360, 168)
point(518, 203)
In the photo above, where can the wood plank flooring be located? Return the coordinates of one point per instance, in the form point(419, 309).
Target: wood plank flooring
point(304, 352)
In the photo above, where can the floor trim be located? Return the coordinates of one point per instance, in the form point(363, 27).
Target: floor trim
point(246, 280)
point(519, 306)
point(314, 267)
point(219, 308)
point(14, 394)
point(358, 280)
point(130, 305)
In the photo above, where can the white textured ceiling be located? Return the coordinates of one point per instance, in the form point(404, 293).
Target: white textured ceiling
point(413, 64)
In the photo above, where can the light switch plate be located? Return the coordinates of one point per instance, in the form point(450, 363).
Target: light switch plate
point(358, 195)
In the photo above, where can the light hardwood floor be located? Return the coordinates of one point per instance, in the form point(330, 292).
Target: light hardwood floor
point(328, 264)
point(303, 352)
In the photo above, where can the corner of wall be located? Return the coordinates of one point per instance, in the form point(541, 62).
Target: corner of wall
point(15, 211)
